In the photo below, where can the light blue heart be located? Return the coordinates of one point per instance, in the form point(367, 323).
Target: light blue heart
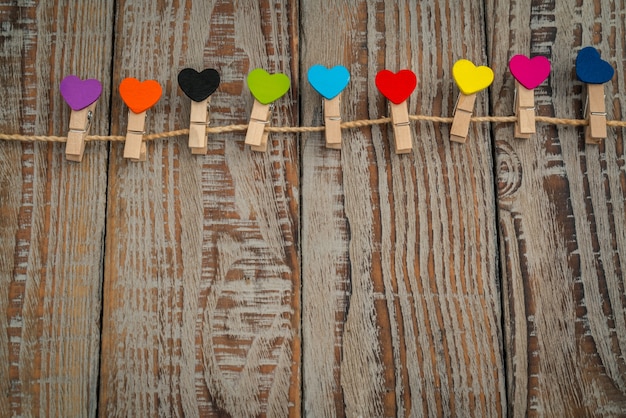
point(328, 82)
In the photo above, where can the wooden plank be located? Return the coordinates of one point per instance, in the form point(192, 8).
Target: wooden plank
point(401, 311)
point(562, 217)
point(201, 292)
point(51, 210)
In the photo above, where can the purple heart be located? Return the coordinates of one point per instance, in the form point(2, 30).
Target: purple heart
point(80, 93)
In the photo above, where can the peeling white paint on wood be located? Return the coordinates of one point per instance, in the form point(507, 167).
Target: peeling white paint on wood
point(564, 236)
point(51, 247)
point(395, 256)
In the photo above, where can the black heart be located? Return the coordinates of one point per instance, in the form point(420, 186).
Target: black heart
point(198, 86)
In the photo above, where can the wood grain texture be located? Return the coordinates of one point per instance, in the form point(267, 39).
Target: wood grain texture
point(562, 217)
point(50, 247)
point(401, 311)
point(201, 297)
point(372, 288)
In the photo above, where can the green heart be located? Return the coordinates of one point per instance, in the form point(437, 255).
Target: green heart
point(266, 87)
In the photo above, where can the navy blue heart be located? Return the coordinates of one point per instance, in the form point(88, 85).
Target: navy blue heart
point(590, 68)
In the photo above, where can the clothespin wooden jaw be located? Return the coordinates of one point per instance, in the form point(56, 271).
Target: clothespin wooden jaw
point(462, 116)
point(135, 146)
point(403, 140)
point(595, 113)
point(332, 122)
point(199, 120)
point(256, 135)
point(80, 122)
point(525, 111)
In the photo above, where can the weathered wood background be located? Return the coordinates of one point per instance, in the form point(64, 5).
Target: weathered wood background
point(484, 279)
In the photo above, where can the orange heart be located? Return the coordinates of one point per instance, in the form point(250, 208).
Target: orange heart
point(140, 96)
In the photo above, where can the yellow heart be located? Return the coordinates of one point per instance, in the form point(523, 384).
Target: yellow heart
point(470, 78)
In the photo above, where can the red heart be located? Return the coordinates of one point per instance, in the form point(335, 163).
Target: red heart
point(140, 95)
point(396, 87)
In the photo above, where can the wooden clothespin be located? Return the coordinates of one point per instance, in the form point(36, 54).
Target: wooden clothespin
point(525, 111)
point(332, 122)
point(198, 86)
point(139, 97)
point(470, 79)
point(257, 136)
point(81, 96)
point(266, 88)
point(397, 87)
point(595, 113)
point(463, 111)
point(594, 71)
point(330, 83)
point(198, 122)
point(80, 122)
point(403, 139)
point(135, 146)
point(528, 73)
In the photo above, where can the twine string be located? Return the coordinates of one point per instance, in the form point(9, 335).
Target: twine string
point(305, 129)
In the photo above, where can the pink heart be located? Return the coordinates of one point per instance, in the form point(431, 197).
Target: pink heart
point(80, 93)
point(530, 72)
